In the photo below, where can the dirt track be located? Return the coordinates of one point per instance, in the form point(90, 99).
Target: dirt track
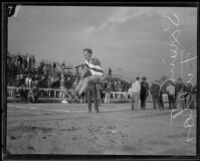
point(69, 129)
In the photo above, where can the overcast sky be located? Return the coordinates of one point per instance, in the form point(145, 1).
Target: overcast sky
point(131, 38)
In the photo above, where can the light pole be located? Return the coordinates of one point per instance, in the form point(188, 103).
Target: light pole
point(120, 69)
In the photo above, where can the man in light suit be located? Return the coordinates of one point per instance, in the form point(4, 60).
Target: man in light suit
point(135, 94)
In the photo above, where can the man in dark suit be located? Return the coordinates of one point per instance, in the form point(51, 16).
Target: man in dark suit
point(180, 93)
point(155, 90)
point(144, 93)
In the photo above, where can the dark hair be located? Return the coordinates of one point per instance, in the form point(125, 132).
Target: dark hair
point(179, 79)
point(143, 78)
point(137, 78)
point(88, 50)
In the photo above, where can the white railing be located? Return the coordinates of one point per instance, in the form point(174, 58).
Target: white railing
point(119, 95)
point(126, 96)
point(55, 93)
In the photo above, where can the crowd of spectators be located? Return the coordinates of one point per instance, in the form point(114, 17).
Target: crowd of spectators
point(119, 85)
point(23, 72)
point(19, 66)
point(179, 94)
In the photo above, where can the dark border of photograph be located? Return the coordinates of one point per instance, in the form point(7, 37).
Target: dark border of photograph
point(5, 153)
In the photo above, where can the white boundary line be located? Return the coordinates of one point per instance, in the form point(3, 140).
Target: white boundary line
point(67, 111)
point(33, 108)
point(59, 111)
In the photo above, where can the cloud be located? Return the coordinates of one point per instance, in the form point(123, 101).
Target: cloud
point(121, 15)
point(128, 37)
point(133, 23)
point(89, 30)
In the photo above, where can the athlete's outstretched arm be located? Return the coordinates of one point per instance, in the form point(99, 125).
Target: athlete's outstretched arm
point(72, 66)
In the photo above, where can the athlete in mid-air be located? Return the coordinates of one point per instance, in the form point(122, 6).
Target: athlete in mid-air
point(92, 72)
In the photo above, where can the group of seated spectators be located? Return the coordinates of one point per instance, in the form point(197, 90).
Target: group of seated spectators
point(119, 85)
point(18, 65)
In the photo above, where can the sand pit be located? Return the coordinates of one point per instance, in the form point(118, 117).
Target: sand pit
point(47, 129)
